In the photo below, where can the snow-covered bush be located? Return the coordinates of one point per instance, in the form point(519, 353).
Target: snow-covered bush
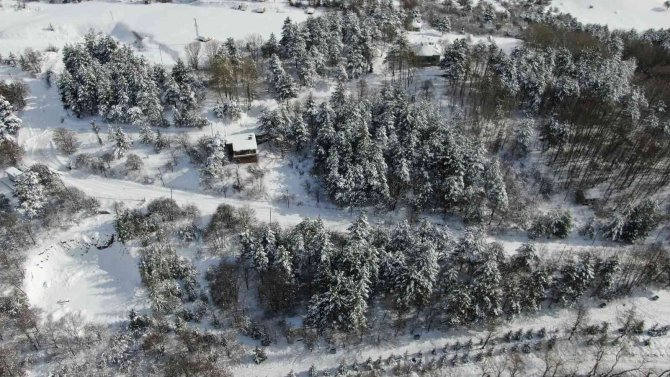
point(11, 152)
point(189, 119)
point(31, 61)
point(228, 110)
point(633, 223)
point(259, 355)
point(556, 223)
point(133, 224)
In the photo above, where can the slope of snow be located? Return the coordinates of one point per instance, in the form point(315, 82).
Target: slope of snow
point(432, 35)
point(170, 26)
point(67, 273)
point(618, 14)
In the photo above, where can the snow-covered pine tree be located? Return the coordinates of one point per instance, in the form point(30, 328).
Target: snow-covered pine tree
point(487, 292)
point(442, 24)
point(122, 142)
point(496, 193)
point(415, 268)
point(31, 194)
point(281, 82)
point(253, 251)
point(147, 135)
point(307, 68)
point(271, 47)
point(9, 123)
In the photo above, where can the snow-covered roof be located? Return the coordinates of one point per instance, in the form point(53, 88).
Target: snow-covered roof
point(426, 49)
point(13, 172)
point(242, 142)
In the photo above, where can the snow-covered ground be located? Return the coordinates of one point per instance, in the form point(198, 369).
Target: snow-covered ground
point(68, 273)
point(618, 14)
point(431, 35)
point(165, 28)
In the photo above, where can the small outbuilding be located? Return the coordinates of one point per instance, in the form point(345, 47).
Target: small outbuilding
point(243, 147)
point(13, 173)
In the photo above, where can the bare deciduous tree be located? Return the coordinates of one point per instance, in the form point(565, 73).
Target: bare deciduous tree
point(65, 140)
point(211, 51)
point(581, 319)
point(193, 54)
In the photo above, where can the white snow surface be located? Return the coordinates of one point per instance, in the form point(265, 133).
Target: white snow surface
point(438, 39)
point(67, 273)
point(618, 14)
point(165, 28)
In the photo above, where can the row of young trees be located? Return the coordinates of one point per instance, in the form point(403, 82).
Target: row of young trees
point(336, 279)
point(103, 78)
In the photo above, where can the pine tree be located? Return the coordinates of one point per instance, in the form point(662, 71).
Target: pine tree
point(455, 61)
point(9, 123)
point(271, 47)
point(31, 194)
point(122, 142)
point(414, 267)
point(281, 82)
point(633, 223)
point(253, 251)
point(342, 307)
point(486, 288)
point(443, 25)
point(147, 135)
point(496, 192)
point(307, 71)
point(575, 279)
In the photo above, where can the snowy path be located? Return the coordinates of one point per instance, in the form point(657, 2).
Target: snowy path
point(107, 189)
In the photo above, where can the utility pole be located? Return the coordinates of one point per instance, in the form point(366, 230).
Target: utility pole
point(197, 33)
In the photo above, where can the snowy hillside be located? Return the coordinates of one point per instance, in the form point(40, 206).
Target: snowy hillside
point(618, 14)
point(163, 28)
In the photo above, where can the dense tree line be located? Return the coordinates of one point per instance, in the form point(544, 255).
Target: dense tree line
point(601, 116)
point(338, 45)
point(104, 78)
point(336, 279)
point(383, 149)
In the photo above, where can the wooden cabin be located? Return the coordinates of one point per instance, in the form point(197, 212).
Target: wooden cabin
point(426, 53)
point(243, 147)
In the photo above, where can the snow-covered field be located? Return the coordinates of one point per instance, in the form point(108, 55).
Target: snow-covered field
point(68, 273)
point(165, 28)
point(618, 14)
